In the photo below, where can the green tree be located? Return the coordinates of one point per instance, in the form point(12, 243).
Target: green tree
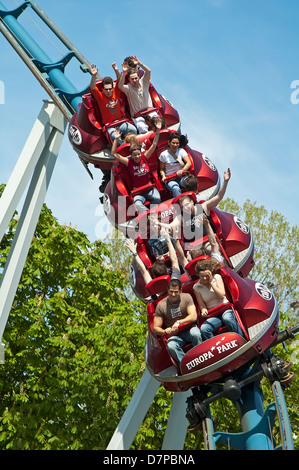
point(73, 345)
point(276, 252)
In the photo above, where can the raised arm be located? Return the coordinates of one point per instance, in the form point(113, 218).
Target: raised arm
point(94, 72)
point(211, 235)
point(172, 253)
point(147, 70)
point(178, 247)
point(121, 82)
point(174, 225)
point(214, 201)
point(120, 158)
point(218, 288)
point(140, 265)
point(117, 72)
point(152, 148)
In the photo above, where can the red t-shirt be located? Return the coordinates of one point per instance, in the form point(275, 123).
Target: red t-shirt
point(109, 107)
point(139, 172)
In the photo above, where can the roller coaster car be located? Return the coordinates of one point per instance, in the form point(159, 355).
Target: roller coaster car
point(233, 236)
point(119, 204)
point(90, 139)
point(257, 314)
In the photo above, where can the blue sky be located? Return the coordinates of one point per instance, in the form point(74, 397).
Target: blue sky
point(227, 66)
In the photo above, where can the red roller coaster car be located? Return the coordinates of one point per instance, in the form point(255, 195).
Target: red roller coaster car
point(118, 197)
point(90, 139)
point(233, 236)
point(257, 314)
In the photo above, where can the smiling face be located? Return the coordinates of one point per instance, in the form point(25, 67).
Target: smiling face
point(174, 144)
point(174, 293)
point(136, 156)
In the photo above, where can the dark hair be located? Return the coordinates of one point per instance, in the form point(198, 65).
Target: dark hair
point(159, 268)
point(132, 70)
point(183, 197)
point(129, 61)
point(191, 183)
point(175, 283)
point(182, 138)
point(107, 81)
point(173, 135)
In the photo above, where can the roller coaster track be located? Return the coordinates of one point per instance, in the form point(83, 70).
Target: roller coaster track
point(51, 75)
point(257, 429)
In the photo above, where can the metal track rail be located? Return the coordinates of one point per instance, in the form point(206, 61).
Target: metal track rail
point(50, 75)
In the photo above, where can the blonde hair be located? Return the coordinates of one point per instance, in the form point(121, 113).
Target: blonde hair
point(130, 138)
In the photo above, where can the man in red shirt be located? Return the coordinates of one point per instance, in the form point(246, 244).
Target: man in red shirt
point(139, 169)
point(108, 101)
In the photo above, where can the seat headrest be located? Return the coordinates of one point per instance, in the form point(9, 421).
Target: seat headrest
point(158, 285)
point(190, 267)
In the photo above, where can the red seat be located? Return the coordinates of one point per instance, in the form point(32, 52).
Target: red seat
point(230, 285)
point(190, 267)
point(188, 193)
point(144, 251)
point(144, 112)
point(215, 222)
point(142, 189)
point(159, 285)
point(124, 107)
point(124, 183)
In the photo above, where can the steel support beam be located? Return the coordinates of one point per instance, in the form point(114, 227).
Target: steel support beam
point(37, 162)
point(175, 434)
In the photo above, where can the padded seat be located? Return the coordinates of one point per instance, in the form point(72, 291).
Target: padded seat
point(142, 189)
point(190, 267)
point(144, 112)
point(158, 286)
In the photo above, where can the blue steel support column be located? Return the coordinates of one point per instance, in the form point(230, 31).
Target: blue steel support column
point(283, 416)
point(256, 423)
point(56, 76)
point(251, 412)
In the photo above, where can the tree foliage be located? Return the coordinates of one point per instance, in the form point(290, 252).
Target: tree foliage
point(75, 337)
point(73, 345)
point(276, 251)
